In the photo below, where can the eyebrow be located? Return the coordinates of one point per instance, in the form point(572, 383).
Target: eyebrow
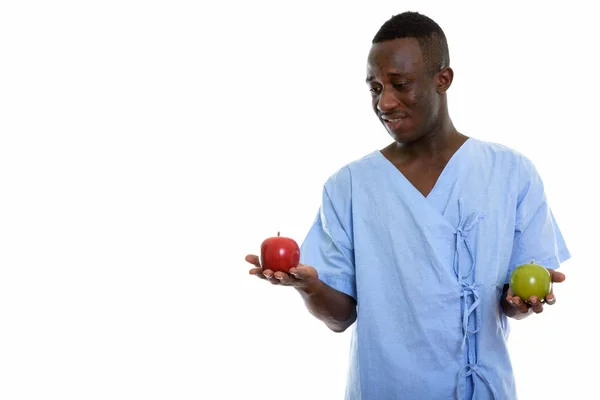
point(394, 74)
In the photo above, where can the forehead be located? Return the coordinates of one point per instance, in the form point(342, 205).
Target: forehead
point(398, 55)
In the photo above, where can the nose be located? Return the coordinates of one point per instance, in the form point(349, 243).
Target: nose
point(387, 101)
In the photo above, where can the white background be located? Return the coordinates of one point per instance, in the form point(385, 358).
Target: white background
point(146, 147)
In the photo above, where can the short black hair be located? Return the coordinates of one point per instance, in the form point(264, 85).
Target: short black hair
point(428, 33)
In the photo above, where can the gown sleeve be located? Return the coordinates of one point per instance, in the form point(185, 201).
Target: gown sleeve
point(537, 235)
point(328, 245)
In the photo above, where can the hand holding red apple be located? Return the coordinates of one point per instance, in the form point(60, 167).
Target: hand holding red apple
point(279, 263)
point(300, 277)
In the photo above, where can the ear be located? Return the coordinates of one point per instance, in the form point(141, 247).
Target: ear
point(444, 80)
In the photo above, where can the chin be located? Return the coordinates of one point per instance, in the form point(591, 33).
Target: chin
point(404, 137)
point(404, 134)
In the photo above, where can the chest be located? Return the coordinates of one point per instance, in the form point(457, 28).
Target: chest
point(422, 175)
point(469, 215)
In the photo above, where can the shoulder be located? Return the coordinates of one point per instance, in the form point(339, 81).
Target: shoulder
point(504, 155)
point(511, 166)
point(496, 148)
point(341, 180)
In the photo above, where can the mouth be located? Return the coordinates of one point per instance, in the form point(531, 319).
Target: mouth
point(394, 122)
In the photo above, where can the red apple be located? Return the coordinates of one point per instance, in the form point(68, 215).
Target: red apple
point(279, 253)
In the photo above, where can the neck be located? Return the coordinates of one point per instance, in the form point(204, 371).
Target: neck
point(438, 142)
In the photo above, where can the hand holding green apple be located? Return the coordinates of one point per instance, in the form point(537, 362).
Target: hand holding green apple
point(531, 285)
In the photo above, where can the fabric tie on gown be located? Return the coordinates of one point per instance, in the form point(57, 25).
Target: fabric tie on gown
point(469, 294)
point(469, 370)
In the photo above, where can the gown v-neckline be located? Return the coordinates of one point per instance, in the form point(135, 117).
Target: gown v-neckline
point(450, 166)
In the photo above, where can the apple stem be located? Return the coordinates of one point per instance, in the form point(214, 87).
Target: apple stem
point(278, 234)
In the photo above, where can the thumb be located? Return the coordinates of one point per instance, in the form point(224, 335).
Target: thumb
point(556, 276)
point(303, 272)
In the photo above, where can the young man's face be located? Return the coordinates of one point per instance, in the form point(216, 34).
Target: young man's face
point(404, 93)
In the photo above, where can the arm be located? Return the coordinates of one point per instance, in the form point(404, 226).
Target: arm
point(329, 293)
point(336, 309)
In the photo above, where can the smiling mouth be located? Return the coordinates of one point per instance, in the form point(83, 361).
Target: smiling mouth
point(396, 119)
point(395, 122)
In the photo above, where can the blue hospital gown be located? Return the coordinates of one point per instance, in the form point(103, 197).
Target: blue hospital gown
point(428, 272)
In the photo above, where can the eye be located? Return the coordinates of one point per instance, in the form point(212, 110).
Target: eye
point(401, 85)
point(375, 90)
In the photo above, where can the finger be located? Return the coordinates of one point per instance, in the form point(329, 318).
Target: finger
point(509, 298)
point(271, 277)
point(550, 299)
point(257, 272)
point(536, 305)
point(284, 278)
point(520, 304)
point(556, 276)
point(297, 273)
point(510, 301)
point(253, 259)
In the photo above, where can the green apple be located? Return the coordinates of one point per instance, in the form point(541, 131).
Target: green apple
point(530, 280)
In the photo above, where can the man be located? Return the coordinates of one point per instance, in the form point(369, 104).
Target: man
point(413, 245)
